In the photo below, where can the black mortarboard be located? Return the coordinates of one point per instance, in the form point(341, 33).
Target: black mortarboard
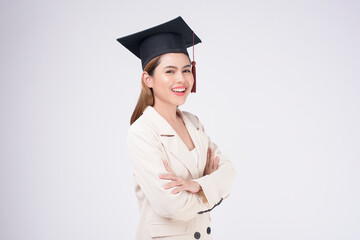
point(170, 37)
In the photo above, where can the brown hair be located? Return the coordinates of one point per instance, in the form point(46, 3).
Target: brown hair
point(146, 97)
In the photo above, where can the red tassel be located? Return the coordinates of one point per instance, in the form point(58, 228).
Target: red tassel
point(193, 69)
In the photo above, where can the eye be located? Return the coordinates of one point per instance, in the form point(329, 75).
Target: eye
point(187, 70)
point(170, 71)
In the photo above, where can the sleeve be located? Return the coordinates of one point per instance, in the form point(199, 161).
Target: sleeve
point(146, 155)
point(216, 186)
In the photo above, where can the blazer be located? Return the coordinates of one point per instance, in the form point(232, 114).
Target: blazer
point(165, 215)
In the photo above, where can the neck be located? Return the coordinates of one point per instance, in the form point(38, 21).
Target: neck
point(167, 111)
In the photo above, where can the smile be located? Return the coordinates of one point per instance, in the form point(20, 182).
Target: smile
point(180, 91)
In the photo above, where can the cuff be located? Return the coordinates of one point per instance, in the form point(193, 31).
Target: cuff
point(209, 189)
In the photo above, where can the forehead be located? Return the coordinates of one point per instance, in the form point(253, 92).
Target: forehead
point(174, 59)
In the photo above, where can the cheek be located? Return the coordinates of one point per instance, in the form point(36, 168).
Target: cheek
point(162, 84)
point(190, 79)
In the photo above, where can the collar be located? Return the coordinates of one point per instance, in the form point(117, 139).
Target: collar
point(174, 144)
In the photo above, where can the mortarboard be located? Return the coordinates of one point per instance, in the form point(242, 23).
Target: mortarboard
point(173, 36)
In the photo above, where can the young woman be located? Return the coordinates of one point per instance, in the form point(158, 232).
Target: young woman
point(180, 174)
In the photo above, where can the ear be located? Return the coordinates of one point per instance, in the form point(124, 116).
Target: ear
point(148, 80)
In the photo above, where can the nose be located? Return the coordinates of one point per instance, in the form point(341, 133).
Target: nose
point(180, 78)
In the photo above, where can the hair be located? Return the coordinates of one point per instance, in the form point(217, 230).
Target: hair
point(146, 97)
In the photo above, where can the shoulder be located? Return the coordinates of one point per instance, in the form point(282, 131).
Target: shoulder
point(193, 119)
point(143, 128)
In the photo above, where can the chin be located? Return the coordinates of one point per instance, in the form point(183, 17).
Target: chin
point(181, 102)
point(178, 101)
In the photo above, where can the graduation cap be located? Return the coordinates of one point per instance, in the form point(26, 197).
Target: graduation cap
point(174, 36)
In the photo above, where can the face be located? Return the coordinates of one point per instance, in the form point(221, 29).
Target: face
point(172, 79)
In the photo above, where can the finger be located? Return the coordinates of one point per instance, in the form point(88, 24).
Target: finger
point(207, 159)
point(212, 159)
point(179, 189)
point(165, 164)
point(168, 177)
point(172, 184)
point(167, 167)
point(217, 162)
point(207, 162)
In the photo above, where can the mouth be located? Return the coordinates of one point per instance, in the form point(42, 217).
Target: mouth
point(179, 91)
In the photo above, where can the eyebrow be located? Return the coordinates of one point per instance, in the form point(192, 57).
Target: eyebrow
point(176, 67)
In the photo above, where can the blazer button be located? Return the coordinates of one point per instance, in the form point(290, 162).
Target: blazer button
point(196, 235)
point(208, 230)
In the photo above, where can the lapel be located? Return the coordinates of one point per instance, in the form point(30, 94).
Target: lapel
point(174, 144)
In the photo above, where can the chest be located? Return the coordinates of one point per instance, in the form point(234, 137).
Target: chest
point(184, 135)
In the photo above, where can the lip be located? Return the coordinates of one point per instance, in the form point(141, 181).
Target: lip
point(179, 93)
point(180, 87)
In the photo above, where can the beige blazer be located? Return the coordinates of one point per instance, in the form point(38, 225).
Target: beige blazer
point(165, 215)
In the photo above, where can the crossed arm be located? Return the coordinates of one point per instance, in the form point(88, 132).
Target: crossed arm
point(180, 184)
point(189, 197)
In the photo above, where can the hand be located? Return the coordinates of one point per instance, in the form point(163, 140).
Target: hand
point(180, 183)
point(211, 164)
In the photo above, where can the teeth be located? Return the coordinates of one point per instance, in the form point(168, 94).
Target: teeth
point(178, 89)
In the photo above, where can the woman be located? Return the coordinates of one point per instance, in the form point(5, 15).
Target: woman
point(178, 179)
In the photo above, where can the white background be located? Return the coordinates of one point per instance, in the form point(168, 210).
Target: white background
point(278, 91)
